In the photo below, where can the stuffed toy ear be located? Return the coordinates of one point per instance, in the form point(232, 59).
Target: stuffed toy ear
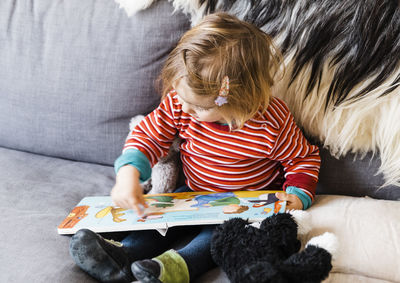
point(313, 264)
point(135, 121)
point(327, 241)
point(282, 224)
point(283, 228)
point(235, 245)
point(225, 238)
point(282, 231)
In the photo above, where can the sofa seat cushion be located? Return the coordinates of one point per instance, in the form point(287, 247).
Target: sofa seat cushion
point(36, 194)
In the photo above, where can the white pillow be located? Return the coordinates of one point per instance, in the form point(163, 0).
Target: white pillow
point(368, 231)
point(352, 278)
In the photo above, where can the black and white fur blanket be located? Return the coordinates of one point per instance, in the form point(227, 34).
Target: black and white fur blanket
point(342, 79)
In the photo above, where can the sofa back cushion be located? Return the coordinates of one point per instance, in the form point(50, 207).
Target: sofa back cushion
point(352, 175)
point(73, 73)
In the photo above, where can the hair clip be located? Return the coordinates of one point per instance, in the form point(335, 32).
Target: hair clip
point(223, 92)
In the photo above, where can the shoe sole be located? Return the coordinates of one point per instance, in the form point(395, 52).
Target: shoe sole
point(99, 261)
point(142, 275)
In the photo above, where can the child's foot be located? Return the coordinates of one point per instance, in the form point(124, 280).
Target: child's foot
point(169, 267)
point(103, 259)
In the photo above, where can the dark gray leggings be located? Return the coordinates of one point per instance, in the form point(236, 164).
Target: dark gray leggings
point(150, 243)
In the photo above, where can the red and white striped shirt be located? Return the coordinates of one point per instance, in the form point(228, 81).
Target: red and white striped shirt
point(269, 150)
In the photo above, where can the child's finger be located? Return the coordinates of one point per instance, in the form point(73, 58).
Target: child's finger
point(132, 203)
point(138, 208)
point(121, 204)
point(140, 205)
point(282, 195)
point(142, 201)
point(291, 198)
point(289, 206)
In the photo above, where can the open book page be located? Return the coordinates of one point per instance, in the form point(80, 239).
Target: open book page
point(174, 209)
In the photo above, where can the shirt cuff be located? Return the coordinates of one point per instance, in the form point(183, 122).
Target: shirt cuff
point(303, 181)
point(305, 199)
point(137, 159)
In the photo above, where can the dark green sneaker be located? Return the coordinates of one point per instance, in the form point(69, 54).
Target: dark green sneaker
point(102, 259)
point(168, 267)
point(147, 270)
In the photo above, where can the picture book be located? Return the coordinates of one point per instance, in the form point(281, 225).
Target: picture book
point(98, 214)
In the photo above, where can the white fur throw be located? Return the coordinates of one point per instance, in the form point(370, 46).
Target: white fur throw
point(342, 73)
point(133, 6)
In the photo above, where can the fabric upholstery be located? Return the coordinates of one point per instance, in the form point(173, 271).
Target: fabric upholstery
point(335, 277)
point(36, 194)
point(368, 232)
point(73, 73)
point(353, 176)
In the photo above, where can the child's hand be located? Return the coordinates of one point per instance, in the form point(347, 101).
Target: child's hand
point(292, 201)
point(127, 192)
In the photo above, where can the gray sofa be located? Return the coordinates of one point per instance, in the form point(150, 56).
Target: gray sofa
point(72, 74)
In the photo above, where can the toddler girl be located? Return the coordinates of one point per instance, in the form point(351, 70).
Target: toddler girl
point(235, 136)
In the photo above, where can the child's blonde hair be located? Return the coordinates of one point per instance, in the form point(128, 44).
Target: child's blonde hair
point(222, 45)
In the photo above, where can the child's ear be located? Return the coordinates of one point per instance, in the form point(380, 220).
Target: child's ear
point(281, 195)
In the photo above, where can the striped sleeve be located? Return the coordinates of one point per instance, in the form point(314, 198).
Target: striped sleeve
point(300, 159)
point(154, 135)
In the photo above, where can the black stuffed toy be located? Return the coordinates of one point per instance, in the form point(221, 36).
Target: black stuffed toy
point(270, 252)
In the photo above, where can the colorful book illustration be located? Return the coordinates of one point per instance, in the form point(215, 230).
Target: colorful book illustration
point(173, 209)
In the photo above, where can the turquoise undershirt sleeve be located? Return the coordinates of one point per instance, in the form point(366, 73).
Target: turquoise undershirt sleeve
point(305, 199)
point(137, 159)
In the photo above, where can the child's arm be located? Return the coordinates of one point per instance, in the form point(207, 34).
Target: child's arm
point(127, 192)
point(292, 200)
point(154, 135)
point(149, 141)
point(300, 161)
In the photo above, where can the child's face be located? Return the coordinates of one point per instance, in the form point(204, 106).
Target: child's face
point(202, 108)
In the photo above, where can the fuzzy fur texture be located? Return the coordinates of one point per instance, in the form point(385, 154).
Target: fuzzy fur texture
point(342, 68)
point(270, 253)
point(327, 241)
point(303, 221)
point(132, 7)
